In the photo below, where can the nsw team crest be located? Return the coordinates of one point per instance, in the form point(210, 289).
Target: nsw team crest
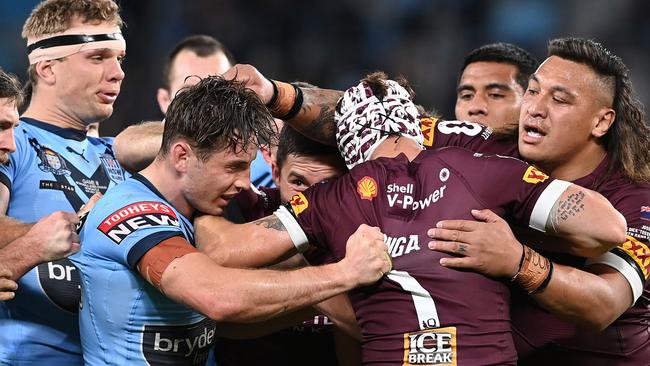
point(52, 162)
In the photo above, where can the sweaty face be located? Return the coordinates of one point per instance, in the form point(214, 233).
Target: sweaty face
point(88, 83)
point(8, 120)
point(560, 109)
point(488, 93)
point(210, 184)
point(186, 65)
point(299, 172)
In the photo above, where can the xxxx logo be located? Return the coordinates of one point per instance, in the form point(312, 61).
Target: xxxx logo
point(299, 203)
point(534, 175)
point(639, 252)
point(428, 127)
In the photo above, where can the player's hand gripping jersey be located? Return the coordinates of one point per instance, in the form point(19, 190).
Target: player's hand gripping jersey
point(422, 313)
point(119, 306)
point(52, 169)
point(627, 340)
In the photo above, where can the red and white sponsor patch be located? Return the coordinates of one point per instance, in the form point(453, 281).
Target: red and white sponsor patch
point(128, 219)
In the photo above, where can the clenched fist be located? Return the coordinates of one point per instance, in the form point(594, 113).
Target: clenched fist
point(366, 256)
point(55, 236)
point(7, 286)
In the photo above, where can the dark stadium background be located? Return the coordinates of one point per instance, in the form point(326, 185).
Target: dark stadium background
point(333, 43)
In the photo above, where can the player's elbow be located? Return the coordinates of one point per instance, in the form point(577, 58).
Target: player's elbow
point(597, 321)
point(232, 309)
point(607, 235)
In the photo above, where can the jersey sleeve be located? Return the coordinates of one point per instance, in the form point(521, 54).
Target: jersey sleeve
point(315, 216)
point(130, 231)
point(311, 215)
point(632, 258)
point(523, 193)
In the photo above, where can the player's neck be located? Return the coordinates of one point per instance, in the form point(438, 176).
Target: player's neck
point(167, 182)
point(578, 165)
point(46, 112)
point(395, 145)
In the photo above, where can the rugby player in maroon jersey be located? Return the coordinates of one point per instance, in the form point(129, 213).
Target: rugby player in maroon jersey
point(620, 172)
point(423, 314)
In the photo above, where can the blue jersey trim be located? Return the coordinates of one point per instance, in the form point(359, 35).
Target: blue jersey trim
point(66, 133)
point(143, 245)
point(140, 178)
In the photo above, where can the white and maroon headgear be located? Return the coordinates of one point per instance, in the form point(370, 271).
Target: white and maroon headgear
point(363, 121)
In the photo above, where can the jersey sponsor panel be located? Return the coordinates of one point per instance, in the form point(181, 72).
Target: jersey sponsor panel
point(183, 345)
point(126, 220)
point(431, 347)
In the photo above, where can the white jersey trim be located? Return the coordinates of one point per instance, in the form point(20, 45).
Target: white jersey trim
point(621, 265)
point(296, 233)
point(545, 203)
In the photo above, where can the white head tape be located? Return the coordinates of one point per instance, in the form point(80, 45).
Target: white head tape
point(73, 40)
point(363, 121)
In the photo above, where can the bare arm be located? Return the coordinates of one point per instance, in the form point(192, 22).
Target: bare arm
point(573, 294)
point(587, 220)
point(490, 247)
point(137, 146)
point(242, 295)
point(7, 285)
point(51, 238)
point(315, 118)
point(255, 244)
point(11, 229)
point(259, 329)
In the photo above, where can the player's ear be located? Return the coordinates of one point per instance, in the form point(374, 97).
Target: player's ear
point(603, 121)
point(181, 152)
point(164, 99)
point(45, 71)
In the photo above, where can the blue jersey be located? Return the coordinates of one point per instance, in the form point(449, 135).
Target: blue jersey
point(52, 169)
point(261, 172)
point(124, 320)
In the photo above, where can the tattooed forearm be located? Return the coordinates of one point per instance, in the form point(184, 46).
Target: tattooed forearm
point(271, 222)
point(316, 117)
point(564, 209)
point(322, 128)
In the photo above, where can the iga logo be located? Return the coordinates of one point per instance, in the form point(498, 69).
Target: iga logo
point(430, 347)
point(534, 175)
point(128, 219)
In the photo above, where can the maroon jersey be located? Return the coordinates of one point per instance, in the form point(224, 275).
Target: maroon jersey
point(421, 313)
point(311, 342)
point(627, 340)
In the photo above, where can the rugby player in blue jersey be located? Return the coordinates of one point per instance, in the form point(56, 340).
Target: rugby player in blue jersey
point(75, 50)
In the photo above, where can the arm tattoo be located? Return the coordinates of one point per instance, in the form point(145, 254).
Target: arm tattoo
point(271, 222)
point(316, 117)
point(322, 128)
point(564, 209)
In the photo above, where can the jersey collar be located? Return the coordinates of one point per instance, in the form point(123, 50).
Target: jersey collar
point(66, 133)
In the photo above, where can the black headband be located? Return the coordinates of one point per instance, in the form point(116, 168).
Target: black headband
point(72, 39)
